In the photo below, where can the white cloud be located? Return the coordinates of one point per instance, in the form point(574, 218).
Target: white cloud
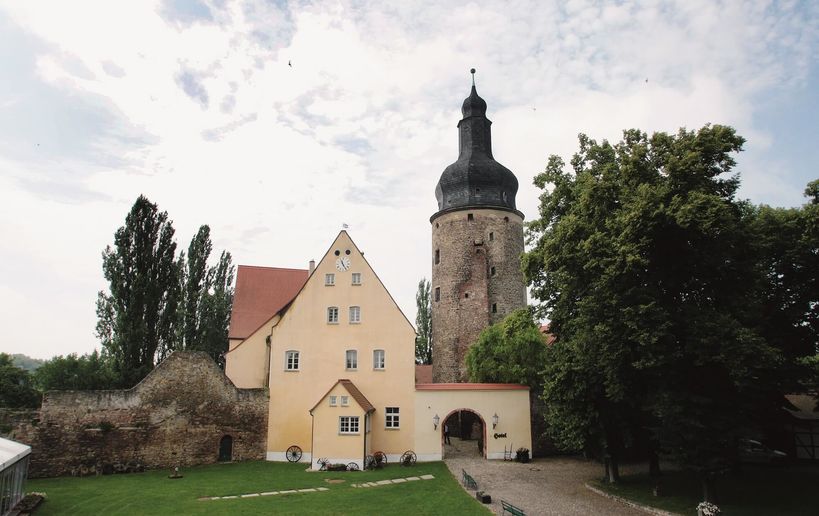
point(276, 157)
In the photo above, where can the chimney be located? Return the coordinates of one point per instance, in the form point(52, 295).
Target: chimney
point(312, 267)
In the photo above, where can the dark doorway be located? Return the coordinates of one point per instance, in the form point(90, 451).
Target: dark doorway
point(226, 449)
point(467, 434)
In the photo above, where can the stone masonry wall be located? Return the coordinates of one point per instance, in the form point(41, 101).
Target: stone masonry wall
point(176, 416)
point(468, 252)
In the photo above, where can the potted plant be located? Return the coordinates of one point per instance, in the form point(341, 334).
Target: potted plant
point(522, 455)
point(708, 509)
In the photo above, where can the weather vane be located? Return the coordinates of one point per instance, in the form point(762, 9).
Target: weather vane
point(472, 71)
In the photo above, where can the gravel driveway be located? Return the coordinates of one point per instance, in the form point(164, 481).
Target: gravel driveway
point(551, 486)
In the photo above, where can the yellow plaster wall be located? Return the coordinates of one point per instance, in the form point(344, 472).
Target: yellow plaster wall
point(512, 407)
point(322, 347)
point(327, 441)
point(246, 361)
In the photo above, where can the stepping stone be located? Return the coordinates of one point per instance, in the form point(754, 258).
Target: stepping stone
point(398, 480)
point(427, 477)
point(413, 478)
point(229, 497)
point(384, 482)
point(322, 489)
point(250, 495)
point(288, 491)
point(270, 493)
point(309, 490)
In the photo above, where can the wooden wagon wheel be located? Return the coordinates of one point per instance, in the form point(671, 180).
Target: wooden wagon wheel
point(380, 459)
point(408, 458)
point(293, 454)
point(353, 466)
point(369, 462)
point(323, 463)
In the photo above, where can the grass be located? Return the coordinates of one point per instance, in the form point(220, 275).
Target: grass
point(154, 493)
point(756, 491)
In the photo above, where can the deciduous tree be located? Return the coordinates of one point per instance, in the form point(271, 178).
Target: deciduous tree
point(16, 390)
point(423, 324)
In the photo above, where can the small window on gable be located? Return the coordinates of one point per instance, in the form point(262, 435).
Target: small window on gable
point(355, 314)
point(491, 236)
point(378, 359)
point(333, 401)
point(329, 280)
point(494, 308)
point(345, 401)
point(332, 315)
point(437, 293)
point(492, 271)
point(351, 360)
point(437, 256)
point(291, 360)
point(356, 278)
point(470, 217)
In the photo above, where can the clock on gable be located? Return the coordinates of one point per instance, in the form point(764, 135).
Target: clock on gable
point(343, 263)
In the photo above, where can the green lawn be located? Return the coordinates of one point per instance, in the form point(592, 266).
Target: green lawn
point(154, 493)
point(757, 491)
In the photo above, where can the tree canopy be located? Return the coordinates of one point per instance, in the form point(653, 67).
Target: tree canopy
point(73, 372)
point(16, 390)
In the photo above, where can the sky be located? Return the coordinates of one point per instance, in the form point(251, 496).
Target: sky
point(277, 122)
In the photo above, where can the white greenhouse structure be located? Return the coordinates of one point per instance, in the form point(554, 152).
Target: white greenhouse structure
point(13, 471)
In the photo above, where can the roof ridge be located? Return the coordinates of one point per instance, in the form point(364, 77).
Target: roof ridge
point(272, 268)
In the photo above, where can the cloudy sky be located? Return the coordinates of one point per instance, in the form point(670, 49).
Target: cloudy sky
point(193, 103)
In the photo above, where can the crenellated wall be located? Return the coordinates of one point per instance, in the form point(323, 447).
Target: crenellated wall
point(176, 416)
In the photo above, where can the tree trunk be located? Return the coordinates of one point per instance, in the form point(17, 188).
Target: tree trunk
point(708, 490)
point(612, 469)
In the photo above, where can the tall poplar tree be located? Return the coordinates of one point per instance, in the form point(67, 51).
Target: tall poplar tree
point(137, 316)
point(423, 324)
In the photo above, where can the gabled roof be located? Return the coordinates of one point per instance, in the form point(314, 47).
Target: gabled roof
point(362, 401)
point(261, 292)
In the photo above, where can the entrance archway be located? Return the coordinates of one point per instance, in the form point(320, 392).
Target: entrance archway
point(467, 434)
point(226, 449)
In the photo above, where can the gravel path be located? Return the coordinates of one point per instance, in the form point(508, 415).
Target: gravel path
point(552, 486)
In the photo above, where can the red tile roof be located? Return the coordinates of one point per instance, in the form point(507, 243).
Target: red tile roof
point(423, 373)
point(362, 400)
point(260, 293)
point(470, 387)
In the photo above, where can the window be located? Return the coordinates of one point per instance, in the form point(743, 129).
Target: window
point(345, 401)
point(378, 359)
point(348, 424)
point(329, 280)
point(437, 256)
point(291, 361)
point(355, 314)
point(437, 293)
point(466, 295)
point(492, 271)
point(506, 219)
point(470, 217)
point(491, 236)
point(356, 278)
point(494, 308)
point(351, 359)
point(333, 401)
point(392, 418)
point(332, 315)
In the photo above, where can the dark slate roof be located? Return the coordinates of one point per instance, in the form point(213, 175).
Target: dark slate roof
point(475, 180)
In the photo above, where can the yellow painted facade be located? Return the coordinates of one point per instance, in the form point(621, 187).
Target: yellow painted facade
point(301, 354)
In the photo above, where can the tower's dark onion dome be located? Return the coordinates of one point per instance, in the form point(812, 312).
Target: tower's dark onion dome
point(476, 180)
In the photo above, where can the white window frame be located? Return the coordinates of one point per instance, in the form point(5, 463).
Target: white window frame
point(382, 364)
point(333, 401)
point(345, 401)
point(392, 418)
point(292, 360)
point(348, 425)
point(356, 278)
point(355, 315)
point(351, 359)
point(329, 279)
point(332, 315)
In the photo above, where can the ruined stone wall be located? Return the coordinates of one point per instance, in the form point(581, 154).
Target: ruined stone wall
point(479, 280)
point(176, 416)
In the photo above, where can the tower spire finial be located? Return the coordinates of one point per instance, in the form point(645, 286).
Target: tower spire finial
point(472, 71)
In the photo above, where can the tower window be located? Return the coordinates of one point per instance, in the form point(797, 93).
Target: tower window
point(491, 236)
point(437, 293)
point(437, 256)
point(492, 271)
point(494, 308)
point(466, 295)
point(506, 219)
point(437, 225)
point(477, 190)
point(470, 217)
point(504, 196)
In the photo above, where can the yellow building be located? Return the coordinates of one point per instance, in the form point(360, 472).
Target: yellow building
point(338, 357)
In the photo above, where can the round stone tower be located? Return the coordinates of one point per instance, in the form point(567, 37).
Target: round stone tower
point(477, 240)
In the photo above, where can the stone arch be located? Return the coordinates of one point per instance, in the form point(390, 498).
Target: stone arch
point(480, 418)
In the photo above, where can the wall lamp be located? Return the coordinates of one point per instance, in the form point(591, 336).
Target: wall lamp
point(495, 419)
point(435, 421)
